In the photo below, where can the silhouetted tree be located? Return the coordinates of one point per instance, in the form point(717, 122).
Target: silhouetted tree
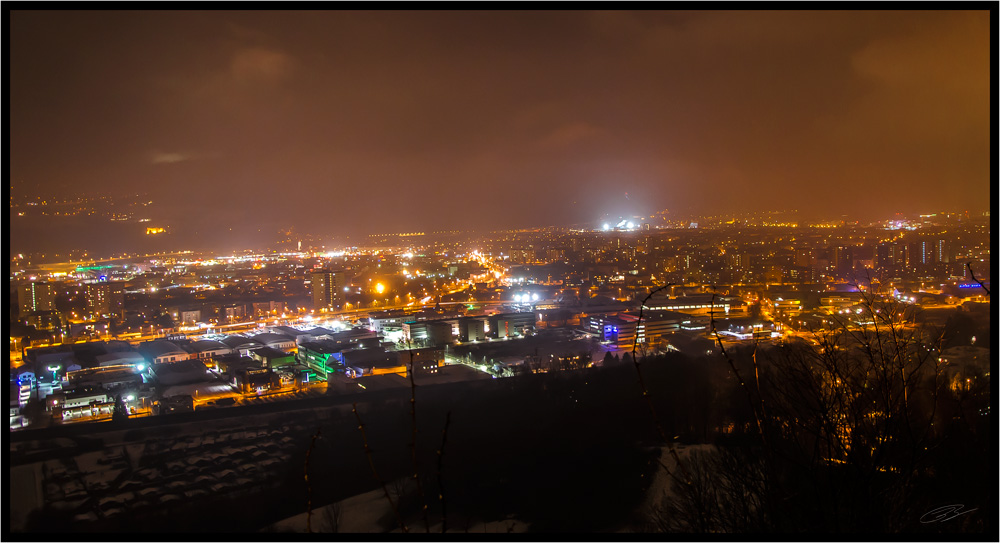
point(609, 359)
point(959, 329)
point(36, 415)
point(851, 436)
point(120, 411)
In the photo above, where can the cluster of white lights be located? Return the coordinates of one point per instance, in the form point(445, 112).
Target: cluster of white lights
point(623, 224)
point(526, 298)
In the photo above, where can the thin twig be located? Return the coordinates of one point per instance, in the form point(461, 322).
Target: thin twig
point(732, 365)
point(969, 265)
point(635, 361)
point(756, 378)
point(371, 463)
point(413, 440)
point(309, 511)
point(649, 402)
point(753, 406)
point(440, 453)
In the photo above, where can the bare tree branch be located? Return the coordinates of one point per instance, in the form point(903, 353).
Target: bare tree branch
point(649, 402)
point(635, 360)
point(413, 439)
point(732, 365)
point(312, 445)
point(440, 453)
point(371, 463)
point(969, 266)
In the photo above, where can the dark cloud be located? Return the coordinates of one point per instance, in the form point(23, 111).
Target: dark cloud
point(362, 121)
point(169, 158)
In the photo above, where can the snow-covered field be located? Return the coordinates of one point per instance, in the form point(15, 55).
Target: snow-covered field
point(361, 514)
point(661, 489)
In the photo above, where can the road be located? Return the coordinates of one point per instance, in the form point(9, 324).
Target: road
point(105, 416)
point(296, 321)
point(290, 392)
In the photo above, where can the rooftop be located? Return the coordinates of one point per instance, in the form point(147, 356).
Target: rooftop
point(209, 345)
point(160, 347)
point(270, 353)
point(235, 341)
point(269, 337)
point(177, 373)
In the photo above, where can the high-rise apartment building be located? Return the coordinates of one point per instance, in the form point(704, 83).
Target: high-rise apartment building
point(805, 257)
point(34, 297)
point(106, 300)
point(943, 254)
point(925, 251)
point(843, 260)
point(328, 289)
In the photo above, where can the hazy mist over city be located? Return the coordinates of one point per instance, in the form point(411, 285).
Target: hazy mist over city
point(640, 274)
point(353, 123)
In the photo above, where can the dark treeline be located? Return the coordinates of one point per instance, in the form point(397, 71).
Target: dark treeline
point(565, 452)
point(865, 433)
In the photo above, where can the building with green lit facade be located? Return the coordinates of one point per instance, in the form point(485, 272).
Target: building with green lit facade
point(272, 358)
point(322, 356)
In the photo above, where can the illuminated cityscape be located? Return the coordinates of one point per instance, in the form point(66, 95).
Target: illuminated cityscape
point(257, 299)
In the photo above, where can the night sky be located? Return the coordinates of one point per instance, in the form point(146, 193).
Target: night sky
point(356, 122)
